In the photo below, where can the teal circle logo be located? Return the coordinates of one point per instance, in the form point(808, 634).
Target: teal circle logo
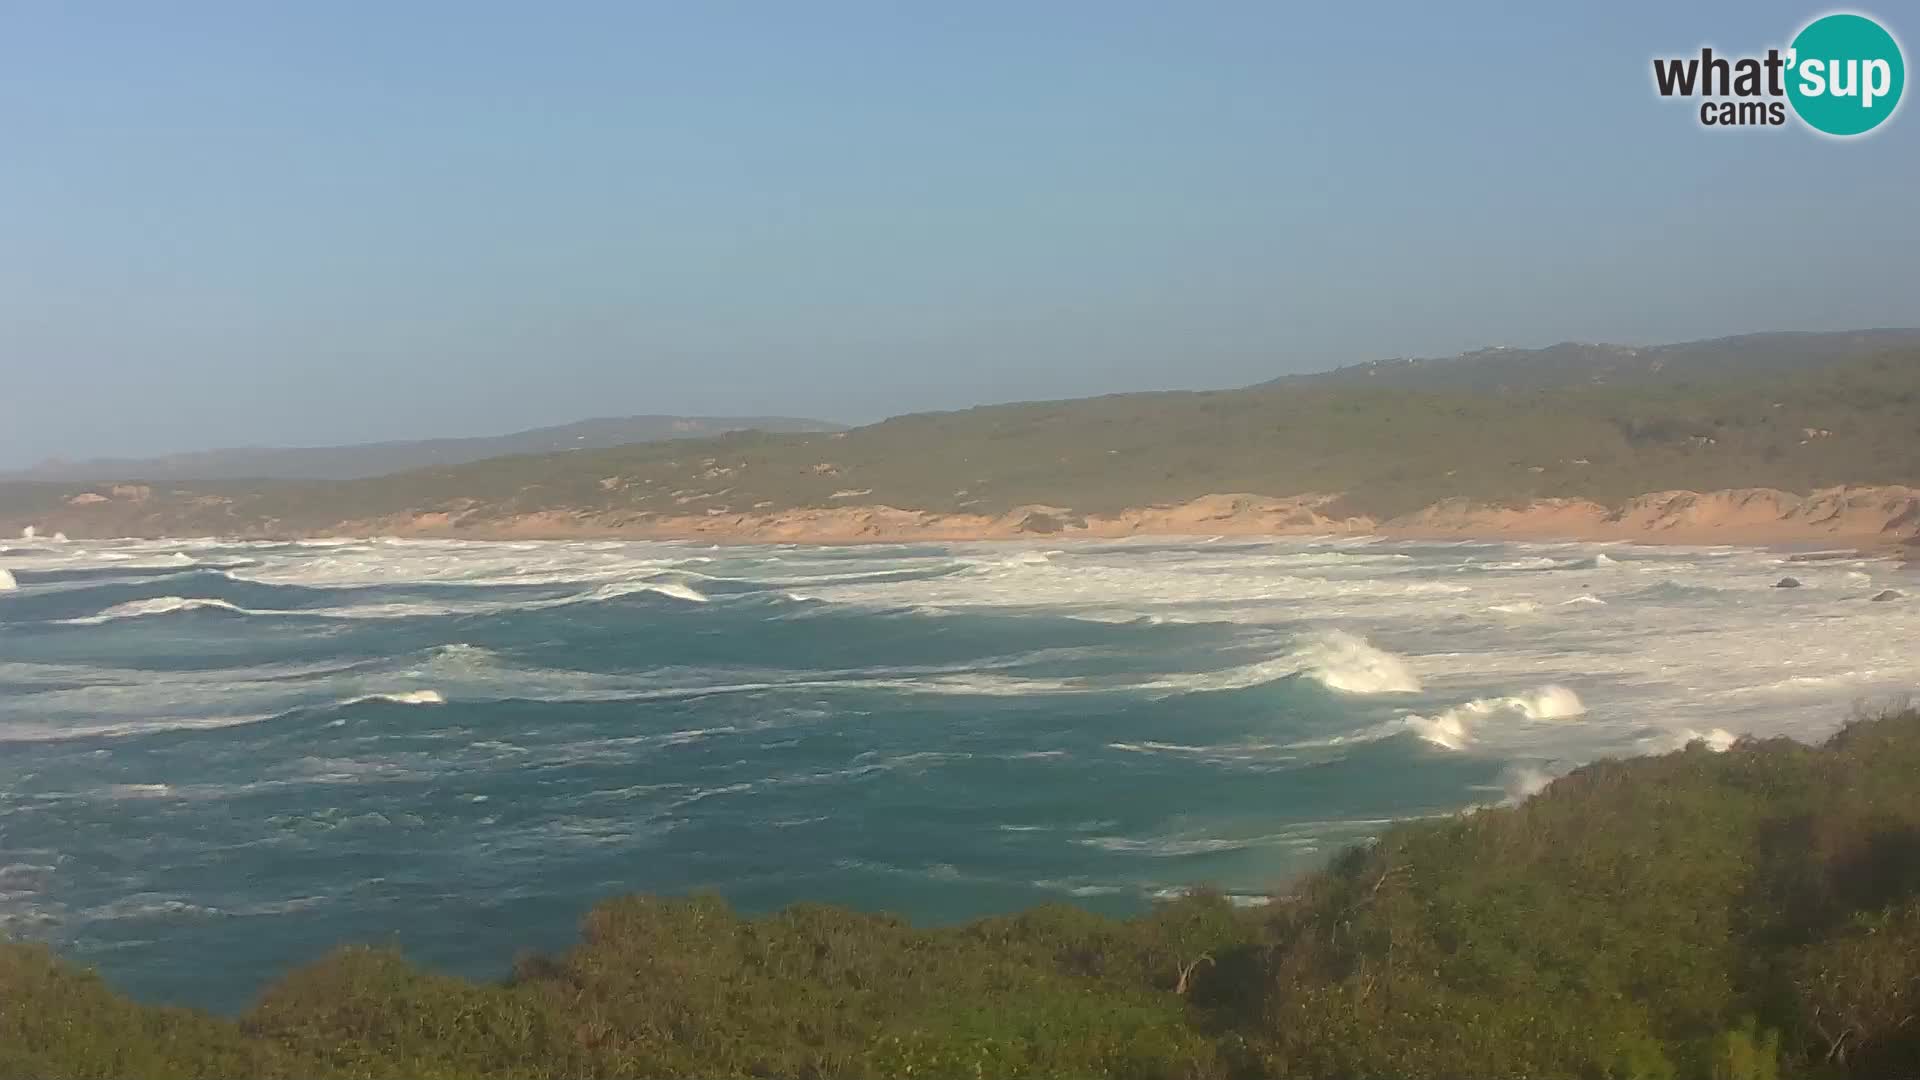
point(1844, 74)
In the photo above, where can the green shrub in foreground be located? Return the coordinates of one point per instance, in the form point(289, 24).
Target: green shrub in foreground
point(1750, 915)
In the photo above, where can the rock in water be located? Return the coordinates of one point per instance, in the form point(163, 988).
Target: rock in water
point(1787, 583)
point(1885, 595)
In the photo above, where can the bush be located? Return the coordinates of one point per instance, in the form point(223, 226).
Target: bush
point(1737, 916)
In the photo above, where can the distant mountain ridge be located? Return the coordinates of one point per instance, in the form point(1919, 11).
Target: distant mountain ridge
point(1494, 370)
point(376, 459)
point(1505, 370)
point(1764, 412)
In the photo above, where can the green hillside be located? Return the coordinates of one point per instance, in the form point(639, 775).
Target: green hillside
point(1501, 370)
point(1737, 916)
point(1389, 451)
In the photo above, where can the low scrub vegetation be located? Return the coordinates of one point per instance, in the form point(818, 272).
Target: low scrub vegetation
point(1388, 449)
point(1723, 916)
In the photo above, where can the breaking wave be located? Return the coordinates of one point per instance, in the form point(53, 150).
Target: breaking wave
point(7, 584)
point(1349, 663)
point(1454, 728)
point(401, 697)
point(616, 589)
point(961, 713)
point(158, 605)
point(1335, 659)
point(1718, 740)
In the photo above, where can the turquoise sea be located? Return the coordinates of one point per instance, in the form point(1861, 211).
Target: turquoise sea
point(217, 759)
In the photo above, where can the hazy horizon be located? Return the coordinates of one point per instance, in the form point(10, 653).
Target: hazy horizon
point(230, 226)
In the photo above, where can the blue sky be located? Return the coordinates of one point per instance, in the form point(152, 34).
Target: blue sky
point(243, 223)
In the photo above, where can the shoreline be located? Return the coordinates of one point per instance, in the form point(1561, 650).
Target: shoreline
point(1881, 521)
point(1876, 521)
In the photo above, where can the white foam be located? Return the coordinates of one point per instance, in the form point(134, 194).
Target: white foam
point(7, 584)
point(402, 697)
point(1737, 670)
point(1453, 728)
point(1166, 848)
point(1536, 562)
point(148, 906)
point(1718, 740)
point(1448, 730)
point(158, 605)
point(679, 592)
point(1072, 888)
point(1348, 662)
point(615, 589)
point(1549, 703)
point(1523, 782)
point(1336, 659)
point(139, 791)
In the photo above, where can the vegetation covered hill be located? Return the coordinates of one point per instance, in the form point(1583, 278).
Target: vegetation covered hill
point(1737, 916)
point(1387, 450)
point(1504, 370)
point(373, 459)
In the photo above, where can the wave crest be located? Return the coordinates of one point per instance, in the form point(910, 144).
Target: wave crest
point(615, 589)
point(1350, 663)
point(401, 697)
point(1453, 728)
point(157, 605)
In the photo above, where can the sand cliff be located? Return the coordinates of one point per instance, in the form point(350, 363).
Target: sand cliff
point(1853, 516)
point(1873, 517)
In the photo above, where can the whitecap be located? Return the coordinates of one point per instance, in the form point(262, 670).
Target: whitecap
point(1718, 740)
point(139, 791)
point(1348, 662)
point(1453, 728)
point(1447, 730)
point(1165, 848)
point(615, 589)
point(1335, 659)
point(401, 697)
point(1077, 887)
point(158, 605)
point(7, 584)
point(1537, 562)
point(149, 906)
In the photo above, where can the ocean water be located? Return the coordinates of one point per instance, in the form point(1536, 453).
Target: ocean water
point(217, 760)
